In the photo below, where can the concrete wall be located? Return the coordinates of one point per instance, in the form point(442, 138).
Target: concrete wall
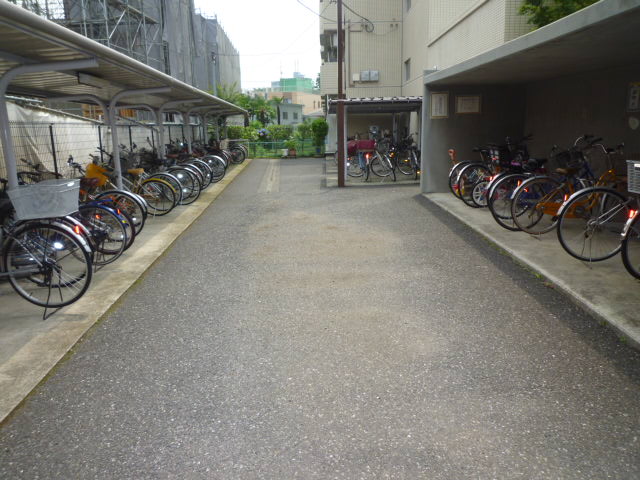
point(562, 109)
point(503, 114)
point(415, 32)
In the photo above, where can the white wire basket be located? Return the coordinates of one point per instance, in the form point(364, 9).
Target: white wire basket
point(633, 176)
point(46, 199)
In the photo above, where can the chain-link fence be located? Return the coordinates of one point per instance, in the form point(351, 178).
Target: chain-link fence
point(52, 144)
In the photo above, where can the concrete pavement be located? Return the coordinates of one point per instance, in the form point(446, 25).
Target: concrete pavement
point(30, 347)
point(299, 331)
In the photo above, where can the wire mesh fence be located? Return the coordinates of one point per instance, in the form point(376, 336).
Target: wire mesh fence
point(49, 146)
point(304, 148)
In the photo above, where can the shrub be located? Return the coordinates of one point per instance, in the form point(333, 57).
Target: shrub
point(320, 128)
point(280, 132)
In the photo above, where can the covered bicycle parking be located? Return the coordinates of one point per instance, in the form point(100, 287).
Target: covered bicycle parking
point(371, 117)
point(40, 59)
point(579, 75)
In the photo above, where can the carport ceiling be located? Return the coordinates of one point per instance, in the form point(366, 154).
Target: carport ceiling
point(26, 38)
point(379, 105)
point(604, 35)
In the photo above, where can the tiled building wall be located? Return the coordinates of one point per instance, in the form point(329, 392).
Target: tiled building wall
point(473, 33)
point(515, 25)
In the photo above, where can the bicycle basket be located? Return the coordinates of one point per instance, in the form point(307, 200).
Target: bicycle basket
point(47, 199)
point(633, 176)
point(567, 159)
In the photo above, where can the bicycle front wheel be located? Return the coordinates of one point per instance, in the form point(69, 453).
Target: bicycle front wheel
point(47, 264)
point(590, 224)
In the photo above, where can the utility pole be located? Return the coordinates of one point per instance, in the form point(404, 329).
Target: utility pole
point(341, 96)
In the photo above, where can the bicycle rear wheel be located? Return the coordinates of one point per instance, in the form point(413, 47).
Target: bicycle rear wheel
point(469, 177)
point(159, 195)
point(535, 204)
point(48, 265)
point(405, 162)
point(453, 177)
point(630, 247)
point(590, 223)
point(499, 199)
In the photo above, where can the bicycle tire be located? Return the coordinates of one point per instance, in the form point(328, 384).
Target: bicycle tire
point(499, 200)
point(159, 194)
point(354, 169)
point(453, 177)
point(591, 222)
point(404, 162)
point(173, 180)
point(468, 177)
point(127, 203)
point(535, 204)
point(109, 232)
point(191, 184)
point(630, 247)
point(378, 167)
point(62, 260)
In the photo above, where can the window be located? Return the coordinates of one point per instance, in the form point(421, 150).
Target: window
point(407, 70)
point(285, 115)
point(295, 115)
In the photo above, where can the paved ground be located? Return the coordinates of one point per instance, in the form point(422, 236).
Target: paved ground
point(299, 331)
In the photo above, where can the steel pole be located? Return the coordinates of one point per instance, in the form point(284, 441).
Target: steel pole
point(341, 123)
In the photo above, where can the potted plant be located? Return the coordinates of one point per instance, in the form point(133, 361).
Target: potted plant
point(291, 146)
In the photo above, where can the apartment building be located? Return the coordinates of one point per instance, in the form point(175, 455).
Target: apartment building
point(390, 43)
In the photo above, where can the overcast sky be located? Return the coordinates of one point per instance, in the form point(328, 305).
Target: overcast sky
point(274, 38)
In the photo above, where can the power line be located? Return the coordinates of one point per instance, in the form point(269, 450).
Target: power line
point(371, 25)
point(316, 13)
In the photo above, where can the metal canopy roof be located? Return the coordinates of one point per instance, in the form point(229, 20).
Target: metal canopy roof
point(600, 36)
point(379, 104)
point(26, 38)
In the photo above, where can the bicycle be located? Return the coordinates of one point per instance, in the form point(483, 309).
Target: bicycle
point(44, 260)
point(591, 220)
point(536, 202)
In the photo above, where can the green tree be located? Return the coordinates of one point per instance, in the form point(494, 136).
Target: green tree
point(280, 132)
point(230, 93)
point(320, 128)
point(543, 12)
point(303, 130)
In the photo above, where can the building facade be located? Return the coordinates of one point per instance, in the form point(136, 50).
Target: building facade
point(389, 44)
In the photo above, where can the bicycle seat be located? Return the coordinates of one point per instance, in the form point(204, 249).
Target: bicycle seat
point(136, 172)
point(88, 183)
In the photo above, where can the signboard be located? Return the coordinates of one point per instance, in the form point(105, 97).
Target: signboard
point(439, 104)
point(467, 103)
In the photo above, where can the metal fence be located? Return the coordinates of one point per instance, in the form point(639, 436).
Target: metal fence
point(51, 144)
point(304, 148)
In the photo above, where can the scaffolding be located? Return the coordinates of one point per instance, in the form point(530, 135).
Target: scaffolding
point(132, 27)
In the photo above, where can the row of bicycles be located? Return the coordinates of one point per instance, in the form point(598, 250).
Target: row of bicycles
point(57, 232)
point(587, 194)
point(384, 158)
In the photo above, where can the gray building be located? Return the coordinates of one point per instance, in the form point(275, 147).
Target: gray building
point(168, 35)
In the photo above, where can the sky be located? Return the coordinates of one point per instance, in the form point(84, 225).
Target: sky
point(274, 38)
